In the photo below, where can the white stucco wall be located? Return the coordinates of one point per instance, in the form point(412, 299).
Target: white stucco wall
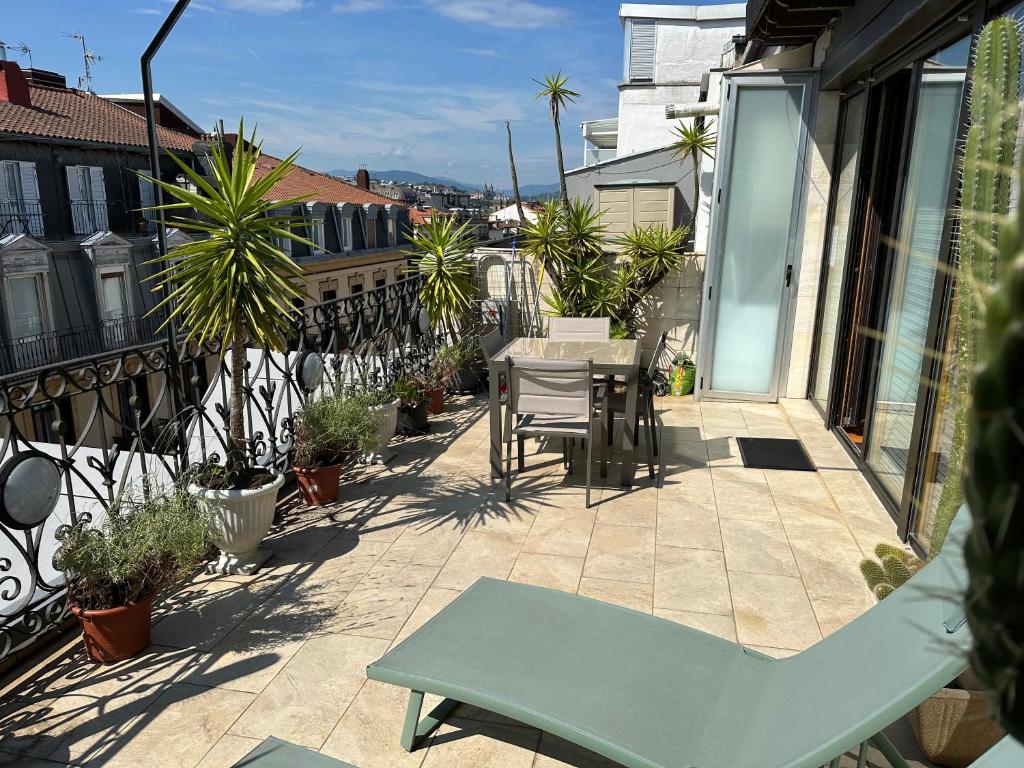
point(690, 41)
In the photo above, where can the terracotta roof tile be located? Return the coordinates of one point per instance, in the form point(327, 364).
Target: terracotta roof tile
point(316, 187)
point(65, 113)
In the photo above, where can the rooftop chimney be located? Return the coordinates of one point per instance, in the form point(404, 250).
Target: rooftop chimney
point(45, 77)
point(363, 179)
point(13, 85)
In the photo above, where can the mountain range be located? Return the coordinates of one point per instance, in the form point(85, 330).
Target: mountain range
point(412, 177)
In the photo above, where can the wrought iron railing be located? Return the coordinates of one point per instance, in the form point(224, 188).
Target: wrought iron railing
point(89, 216)
point(21, 217)
point(77, 342)
point(158, 410)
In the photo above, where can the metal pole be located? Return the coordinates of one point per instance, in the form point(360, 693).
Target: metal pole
point(161, 231)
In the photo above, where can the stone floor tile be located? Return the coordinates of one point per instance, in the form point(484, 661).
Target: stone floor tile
point(434, 601)
point(482, 745)
point(775, 653)
point(176, 730)
point(499, 516)
point(691, 580)
point(553, 571)
point(621, 553)
point(757, 546)
point(624, 506)
point(424, 544)
point(691, 525)
point(334, 667)
point(742, 493)
point(383, 601)
point(833, 613)
point(628, 594)
point(367, 734)
point(831, 568)
point(554, 752)
point(772, 611)
point(480, 554)
point(561, 532)
point(227, 752)
point(714, 624)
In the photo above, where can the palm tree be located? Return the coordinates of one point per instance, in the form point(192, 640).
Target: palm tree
point(442, 256)
point(515, 179)
point(234, 284)
point(694, 141)
point(554, 89)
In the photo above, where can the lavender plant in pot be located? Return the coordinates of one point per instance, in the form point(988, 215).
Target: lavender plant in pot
point(329, 431)
point(113, 571)
point(234, 285)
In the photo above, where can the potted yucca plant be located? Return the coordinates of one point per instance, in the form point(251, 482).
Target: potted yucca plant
point(234, 284)
point(148, 541)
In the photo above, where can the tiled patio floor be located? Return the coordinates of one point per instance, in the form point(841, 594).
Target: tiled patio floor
point(768, 559)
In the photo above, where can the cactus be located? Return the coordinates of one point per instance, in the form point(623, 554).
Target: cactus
point(892, 570)
point(984, 202)
point(994, 488)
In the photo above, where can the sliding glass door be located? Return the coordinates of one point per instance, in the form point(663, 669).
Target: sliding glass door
point(911, 281)
point(752, 254)
point(840, 218)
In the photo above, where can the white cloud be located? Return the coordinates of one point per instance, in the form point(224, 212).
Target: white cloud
point(148, 11)
point(487, 53)
point(265, 7)
point(360, 6)
point(510, 14)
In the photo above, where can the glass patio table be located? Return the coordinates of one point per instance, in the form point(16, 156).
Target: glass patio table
point(615, 357)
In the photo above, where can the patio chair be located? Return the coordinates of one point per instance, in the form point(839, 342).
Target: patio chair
point(646, 692)
point(1007, 753)
point(275, 753)
point(644, 410)
point(549, 398)
point(579, 328)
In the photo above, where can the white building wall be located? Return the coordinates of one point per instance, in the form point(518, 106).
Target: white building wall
point(690, 41)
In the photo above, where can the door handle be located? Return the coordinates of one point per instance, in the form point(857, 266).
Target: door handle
point(789, 275)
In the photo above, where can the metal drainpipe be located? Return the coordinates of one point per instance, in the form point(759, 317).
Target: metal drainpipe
point(161, 232)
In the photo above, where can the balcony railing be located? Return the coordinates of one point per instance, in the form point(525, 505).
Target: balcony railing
point(21, 217)
point(89, 216)
point(78, 342)
point(159, 409)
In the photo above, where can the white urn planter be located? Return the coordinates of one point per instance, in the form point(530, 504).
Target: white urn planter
point(387, 425)
point(242, 520)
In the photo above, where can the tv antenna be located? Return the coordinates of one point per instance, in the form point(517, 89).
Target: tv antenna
point(88, 57)
point(24, 50)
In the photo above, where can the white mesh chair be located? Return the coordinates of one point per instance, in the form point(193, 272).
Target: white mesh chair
point(579, 328)
point(549, 398)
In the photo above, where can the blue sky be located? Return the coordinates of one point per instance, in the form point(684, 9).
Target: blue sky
point(421, 85)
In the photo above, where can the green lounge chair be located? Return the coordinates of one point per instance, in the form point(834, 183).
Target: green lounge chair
point(275, 753)
point(1008, 753)
point(650, 693)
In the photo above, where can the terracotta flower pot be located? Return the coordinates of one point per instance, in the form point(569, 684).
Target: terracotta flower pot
point(115, 634)
point(436, 404)
point(318, 485)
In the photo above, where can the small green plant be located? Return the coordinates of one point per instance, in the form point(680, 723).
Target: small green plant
point(890, 571)
point(412, 390)
point(147, 542)
point(442, 255)
point(330, 428)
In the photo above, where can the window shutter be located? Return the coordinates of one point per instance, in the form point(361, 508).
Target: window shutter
point(30, 190)
point(147, 196)
point(79, 219)
point(5, 196)
point(643, 37)
point(99, 197)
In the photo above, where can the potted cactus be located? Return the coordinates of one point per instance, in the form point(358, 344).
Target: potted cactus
point(148, 541)
point(953, 727)
point(235, 286)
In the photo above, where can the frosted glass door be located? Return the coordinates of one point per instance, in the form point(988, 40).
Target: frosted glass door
point(755, 237)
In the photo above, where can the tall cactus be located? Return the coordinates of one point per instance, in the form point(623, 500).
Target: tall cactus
point(994, 481)
point(985, 201)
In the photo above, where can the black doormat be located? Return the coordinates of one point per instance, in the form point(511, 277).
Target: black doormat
point(774, 453)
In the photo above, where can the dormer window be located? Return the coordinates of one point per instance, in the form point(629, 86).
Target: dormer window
point(88, 197)
point(20, 211)
point(316, 233)
point(346, 233)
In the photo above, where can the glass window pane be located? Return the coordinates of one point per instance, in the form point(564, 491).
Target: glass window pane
point(913, 271)
point(114, 299)
point(839, 233)
point(755, 236)
point(26, 307)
